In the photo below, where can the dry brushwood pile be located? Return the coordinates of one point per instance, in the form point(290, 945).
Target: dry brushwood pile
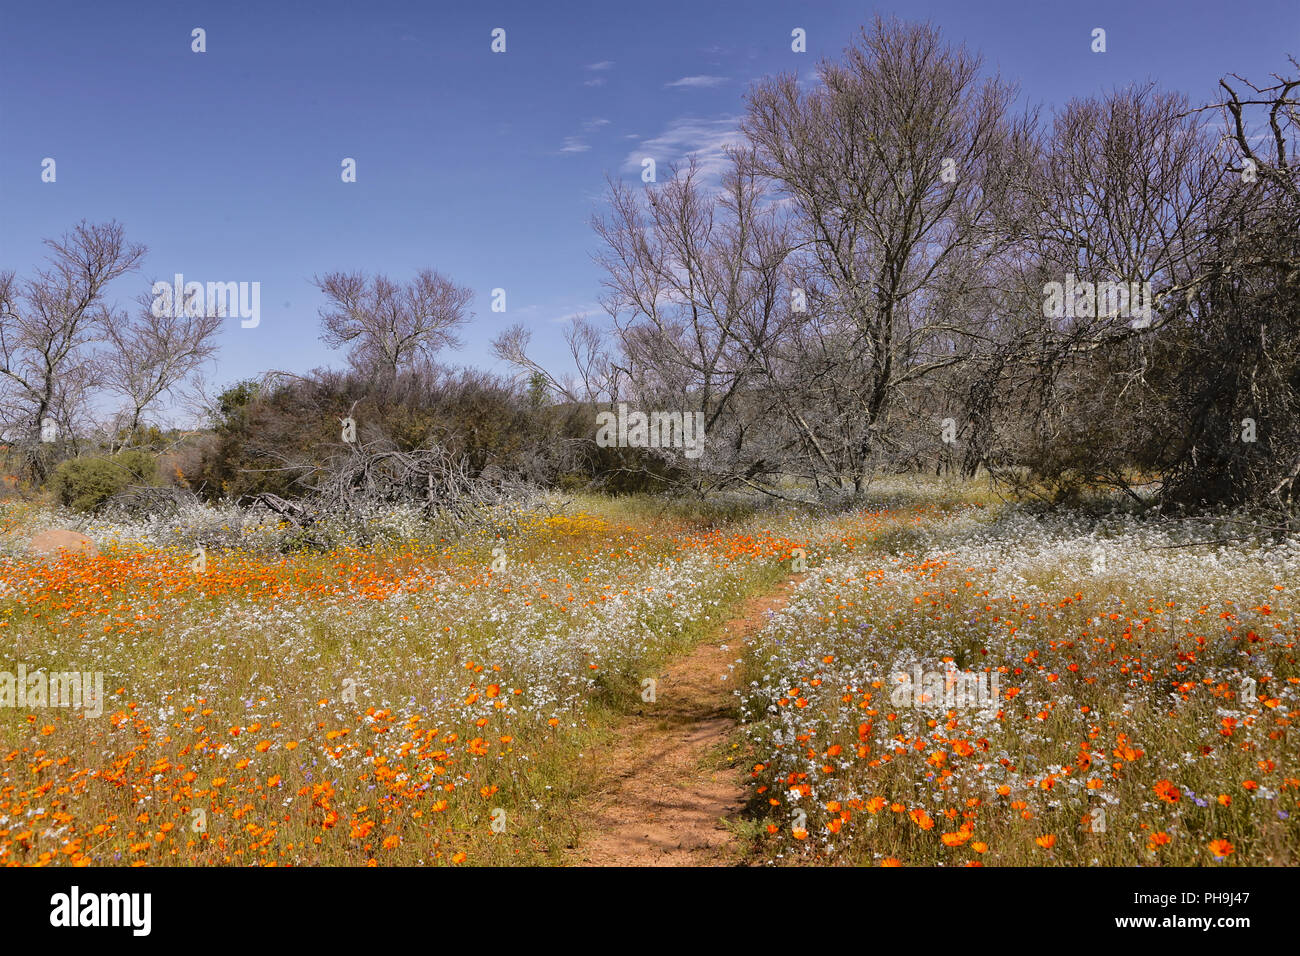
point(352, 485)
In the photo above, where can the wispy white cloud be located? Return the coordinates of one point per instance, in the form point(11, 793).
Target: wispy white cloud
point(534, 314)
point(705, 139)
point(578, 143)
point(604, 66)
point(696, 82)
point(586, 311)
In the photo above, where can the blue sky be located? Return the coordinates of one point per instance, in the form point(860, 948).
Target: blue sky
point(486, 166)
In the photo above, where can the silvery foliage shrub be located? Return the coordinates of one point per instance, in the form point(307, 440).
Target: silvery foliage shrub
point(227, 526)
point(220, 526)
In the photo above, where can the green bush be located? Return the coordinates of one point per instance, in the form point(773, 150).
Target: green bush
point(83, 484)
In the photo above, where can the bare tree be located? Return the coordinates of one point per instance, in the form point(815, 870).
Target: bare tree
point(388, 326)
point(1238, 341)
point(154, 354)
point(1125, 195)
point(695, 287)
point(1283, 114)
point(899, 167)
point(46, 324)
point(596, 376)
point(1112, 250)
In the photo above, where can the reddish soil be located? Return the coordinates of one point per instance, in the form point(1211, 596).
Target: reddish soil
point(665, 792)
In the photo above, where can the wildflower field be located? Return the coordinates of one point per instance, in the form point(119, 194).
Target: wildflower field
point(1145, 696)
point(426, 700)
point(350, 707)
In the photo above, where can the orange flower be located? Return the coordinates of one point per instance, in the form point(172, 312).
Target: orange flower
point(921, 819)
point(1166, 791)
point(1047, 841)
point(1221, 849)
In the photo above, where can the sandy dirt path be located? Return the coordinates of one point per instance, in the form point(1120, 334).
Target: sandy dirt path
point(664, 788)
